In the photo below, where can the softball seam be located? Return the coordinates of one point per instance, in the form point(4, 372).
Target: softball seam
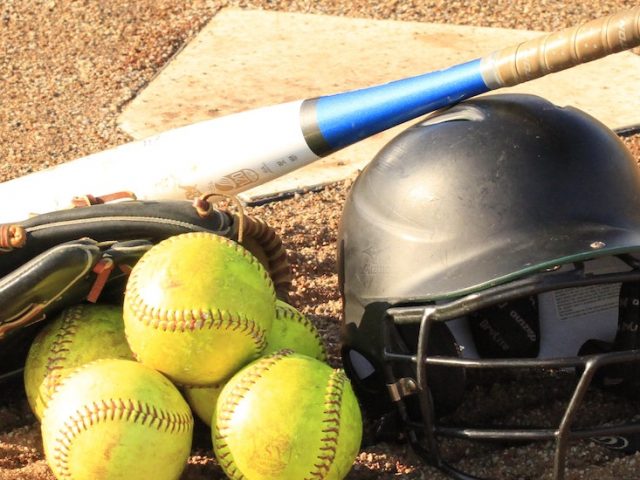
point(224, 417)
point(330, 421)
point(283, 312)
point(198, 319)
point(331, 426)
point(112, 410)
point(59, 349)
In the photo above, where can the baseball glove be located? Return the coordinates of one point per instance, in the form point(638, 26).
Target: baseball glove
point(60, 258)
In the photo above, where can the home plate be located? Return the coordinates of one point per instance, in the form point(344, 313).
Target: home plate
point(244, 59)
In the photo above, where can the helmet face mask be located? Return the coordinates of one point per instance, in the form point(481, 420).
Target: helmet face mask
point(502, 233)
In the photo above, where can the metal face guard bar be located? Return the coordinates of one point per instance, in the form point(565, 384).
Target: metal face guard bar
point(426, 315)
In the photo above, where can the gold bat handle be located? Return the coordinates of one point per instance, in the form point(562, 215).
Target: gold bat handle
point(564, 49)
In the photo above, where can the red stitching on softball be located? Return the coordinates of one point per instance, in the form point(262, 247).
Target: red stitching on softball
point(109, 410)
point(287, 313)
point(189, 320)
point(59, 348)
point(226, 409)
point(194, 319)
point(328, 449)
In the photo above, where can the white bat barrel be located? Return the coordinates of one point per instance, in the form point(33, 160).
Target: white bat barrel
point(225, 155)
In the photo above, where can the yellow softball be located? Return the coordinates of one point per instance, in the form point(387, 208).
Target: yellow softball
point(287, 416)
point(115, 419)
point(198, 307)
point(294, 331)
point(202, 400)
point(79, 334)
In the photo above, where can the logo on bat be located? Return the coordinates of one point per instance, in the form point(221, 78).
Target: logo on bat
point(236, 180)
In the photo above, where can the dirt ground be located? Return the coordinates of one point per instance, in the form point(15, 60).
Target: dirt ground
point(67, 69)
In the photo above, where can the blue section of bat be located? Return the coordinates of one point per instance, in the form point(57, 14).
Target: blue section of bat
point(346, 118)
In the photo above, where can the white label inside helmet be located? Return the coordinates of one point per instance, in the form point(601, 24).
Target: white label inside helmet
point(579, 302)
point(570, 317)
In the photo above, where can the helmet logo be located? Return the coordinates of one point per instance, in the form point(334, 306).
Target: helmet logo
point(372, 266)
point(531, 335)
point(614, 442)
point(495, 335)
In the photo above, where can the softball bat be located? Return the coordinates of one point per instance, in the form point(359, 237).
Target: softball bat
point(234, 153)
